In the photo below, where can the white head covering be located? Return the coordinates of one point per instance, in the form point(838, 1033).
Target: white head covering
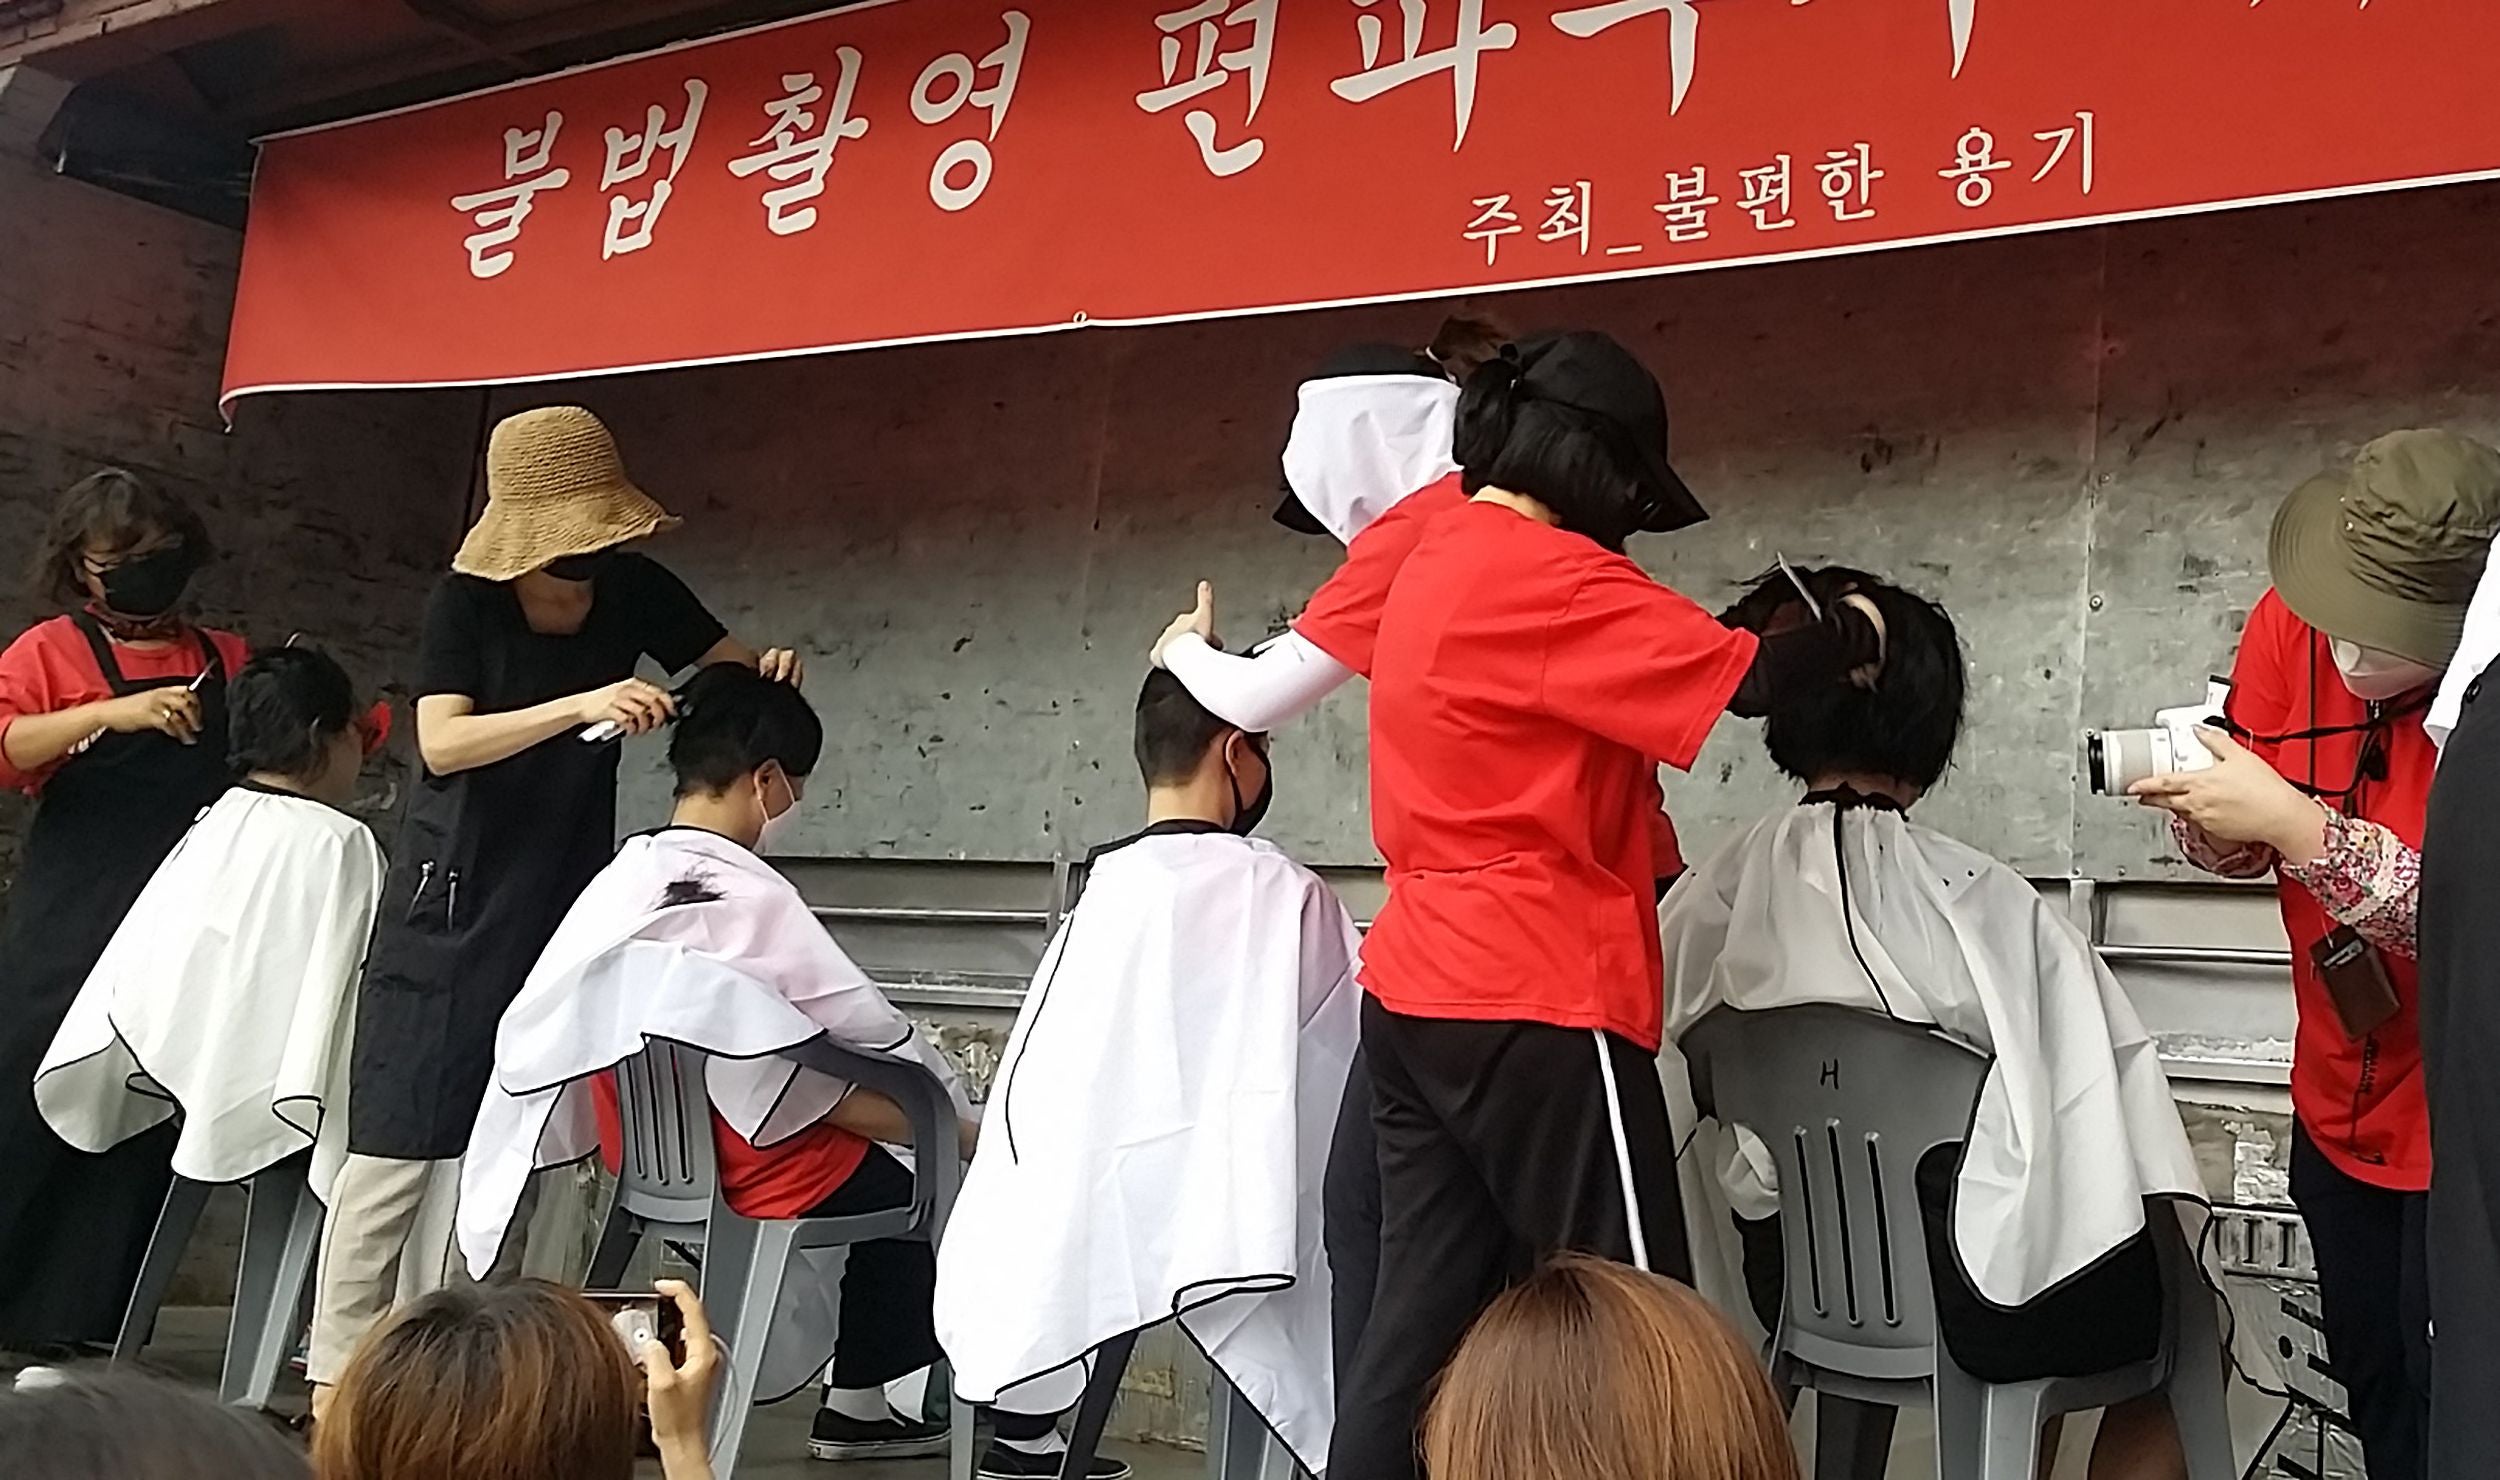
point(2476, 651)
point(1360, 443)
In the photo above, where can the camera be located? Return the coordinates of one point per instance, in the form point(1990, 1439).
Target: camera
point(2117, 759)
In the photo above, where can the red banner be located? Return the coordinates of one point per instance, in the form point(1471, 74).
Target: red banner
point(924, 169)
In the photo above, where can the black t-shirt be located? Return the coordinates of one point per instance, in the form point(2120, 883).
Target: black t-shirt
point(478, 643)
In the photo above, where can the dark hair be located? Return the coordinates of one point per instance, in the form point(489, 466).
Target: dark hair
point(116, 1426)
point(1574, 462)
point(519, 1381)
point(283, 707)
point(1905, 727)
point(1463, 343)
point(113, 508)
point(1174, 731)
point(731, 720)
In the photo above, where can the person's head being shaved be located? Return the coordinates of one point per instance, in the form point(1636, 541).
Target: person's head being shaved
point(1899, 734)
point(1197, 767)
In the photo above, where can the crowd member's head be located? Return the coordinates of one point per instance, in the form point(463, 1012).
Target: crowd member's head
point(558, 503)
point(2383, 556)
point(1373, 424)
point(292, 722)
point(1197, 767)
point(515, 1381)
point(1894, 735)
point(110, 1426)
point(1576, 423)
point(743, 749)
point(1597, 1371)
point(121, 545)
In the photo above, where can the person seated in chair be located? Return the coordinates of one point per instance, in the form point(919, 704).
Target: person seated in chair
point(2037, 1226)
point(689, 935)
point(1164, 1107)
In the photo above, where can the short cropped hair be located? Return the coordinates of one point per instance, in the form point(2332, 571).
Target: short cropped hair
point(1598, 1371)
point(117, 1426)
point(283, 708)
point(519, 1381)
point(1906, 726)
point(114, 508)
point(731, 720)
point(1174, 731)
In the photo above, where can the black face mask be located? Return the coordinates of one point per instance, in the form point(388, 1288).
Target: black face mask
point(581, 567)
point(149, 585)
point(1246, 815)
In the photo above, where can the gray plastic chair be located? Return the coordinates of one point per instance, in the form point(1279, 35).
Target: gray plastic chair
point(668, 1187)
point(1848, 1102)
point(281, 1231)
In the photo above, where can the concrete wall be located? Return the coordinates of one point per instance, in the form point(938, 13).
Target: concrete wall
point(334, 512)
point(2075, 441)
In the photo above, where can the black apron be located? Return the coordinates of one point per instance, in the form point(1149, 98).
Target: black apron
point(2460, 943)
point(74, 1226)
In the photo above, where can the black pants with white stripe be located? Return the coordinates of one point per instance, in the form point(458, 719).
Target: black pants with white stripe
point(1497, 1147)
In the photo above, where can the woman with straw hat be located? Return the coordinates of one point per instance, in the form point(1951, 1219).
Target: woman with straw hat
point(531, 641)
point(2324, 782)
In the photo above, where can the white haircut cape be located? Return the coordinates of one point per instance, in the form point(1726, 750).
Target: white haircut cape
point(688, 938)
point(2075, 1125)
point(226, 995)
point(1158, 1131)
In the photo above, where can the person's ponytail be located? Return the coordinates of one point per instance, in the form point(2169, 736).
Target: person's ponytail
point(1488, 411)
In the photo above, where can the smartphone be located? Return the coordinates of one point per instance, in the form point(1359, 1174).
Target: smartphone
point(640, 1318)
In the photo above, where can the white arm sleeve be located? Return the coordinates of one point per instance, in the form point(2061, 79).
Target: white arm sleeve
point(1284, 680)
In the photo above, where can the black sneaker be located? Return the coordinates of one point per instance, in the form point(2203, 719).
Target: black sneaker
point(839, 1437)
point(1006, 1462)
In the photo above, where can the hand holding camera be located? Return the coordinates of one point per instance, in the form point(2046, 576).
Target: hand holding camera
point(2236, 797)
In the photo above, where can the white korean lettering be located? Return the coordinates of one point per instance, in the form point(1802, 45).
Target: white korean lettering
point(963, 76)
point(1959, 14)
point(1767, 195)
point(1461, 58)
point(794, 151)
point(629, 158)
point(1683, 34)
point(1568, 215)
point(1685, 213)
point(1849, 176)
point(1495, 220)
point(1974, 160)
point(527, 154)
point(2067, 138)
point(1209, 71)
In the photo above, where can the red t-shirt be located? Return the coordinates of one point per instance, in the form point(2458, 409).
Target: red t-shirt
point(2360, 1100)
point(51, 668)
point(1525, 677)
point(783, 1180)
point(1343, 619)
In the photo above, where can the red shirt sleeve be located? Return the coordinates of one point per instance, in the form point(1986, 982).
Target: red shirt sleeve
point(1663, 847)
point(1343, 619)
point(1641, 665)
point(50, 668)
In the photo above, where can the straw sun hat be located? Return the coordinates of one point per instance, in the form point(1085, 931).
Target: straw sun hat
point(554, 487)
point(2386, 552)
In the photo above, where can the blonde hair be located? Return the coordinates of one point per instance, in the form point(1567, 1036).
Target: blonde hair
point(485, 1382)
point(1596, 1371)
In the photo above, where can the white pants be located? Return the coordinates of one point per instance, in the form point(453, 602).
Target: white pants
point(388, 1241)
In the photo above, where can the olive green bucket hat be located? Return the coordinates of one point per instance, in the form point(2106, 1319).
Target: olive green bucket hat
point(2386, 553)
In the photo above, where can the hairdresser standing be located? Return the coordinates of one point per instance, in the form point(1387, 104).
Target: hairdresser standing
point(534, 636)
point(114, 718)
point(1528, 677)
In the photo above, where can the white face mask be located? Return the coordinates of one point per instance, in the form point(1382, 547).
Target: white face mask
point(777, 827)
point(2371, 673)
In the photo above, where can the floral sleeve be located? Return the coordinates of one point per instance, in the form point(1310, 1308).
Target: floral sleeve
point(2368, 878)
point(2229, 860)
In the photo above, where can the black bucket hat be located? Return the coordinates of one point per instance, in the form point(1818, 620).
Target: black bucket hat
point(1354, 359)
